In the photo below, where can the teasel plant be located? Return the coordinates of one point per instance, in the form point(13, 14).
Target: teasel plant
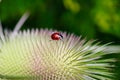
point(33, 55)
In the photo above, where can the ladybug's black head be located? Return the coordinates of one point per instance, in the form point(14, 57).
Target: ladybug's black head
point(61, 36)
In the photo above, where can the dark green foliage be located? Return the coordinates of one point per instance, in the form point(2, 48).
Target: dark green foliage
point(90, 18)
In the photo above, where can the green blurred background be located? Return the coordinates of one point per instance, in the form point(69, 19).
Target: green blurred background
point(93, 19)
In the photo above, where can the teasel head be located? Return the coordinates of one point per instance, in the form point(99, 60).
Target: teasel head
point(33, 55)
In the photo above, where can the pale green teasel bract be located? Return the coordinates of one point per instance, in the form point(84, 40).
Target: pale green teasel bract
point(30, 55)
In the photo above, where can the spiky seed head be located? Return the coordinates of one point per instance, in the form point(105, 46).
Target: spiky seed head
point(32, 55)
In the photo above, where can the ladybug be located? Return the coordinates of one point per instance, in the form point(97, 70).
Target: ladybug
point(56, 36)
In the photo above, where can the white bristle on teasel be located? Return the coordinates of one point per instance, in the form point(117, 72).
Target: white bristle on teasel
point(31, 55)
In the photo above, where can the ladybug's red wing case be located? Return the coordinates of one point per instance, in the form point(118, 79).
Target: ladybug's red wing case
point(56, 36)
